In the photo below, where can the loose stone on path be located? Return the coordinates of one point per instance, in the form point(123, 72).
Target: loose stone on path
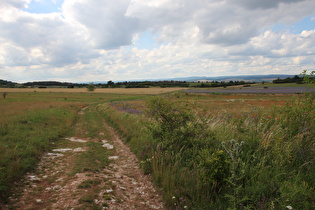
point(73, 139)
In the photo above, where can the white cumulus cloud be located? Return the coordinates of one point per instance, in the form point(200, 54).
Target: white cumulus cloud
point(97, 40)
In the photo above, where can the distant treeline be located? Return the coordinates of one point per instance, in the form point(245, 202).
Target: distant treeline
point(295, 79)
point(126, 84)
point(147, 84)
point(44, 84)
point(5, 83)
point(171, 83)
point(142, 84)
point(221, 84)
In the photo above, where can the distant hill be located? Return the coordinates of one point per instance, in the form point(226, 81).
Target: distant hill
point(246, 78)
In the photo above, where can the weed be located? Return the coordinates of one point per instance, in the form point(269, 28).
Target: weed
point(88, 198)
point(94, 159)
point(88, 183)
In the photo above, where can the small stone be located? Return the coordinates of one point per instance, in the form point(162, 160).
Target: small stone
point(108, 146)
point(76, 140)
point(62, 150)
point(33, 178)
point(38, 201)
point(113, 157)
point(79, 149)
point(109, 191)
point(54, 155)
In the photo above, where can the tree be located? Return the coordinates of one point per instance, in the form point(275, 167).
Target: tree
point(91, 87)
point(309, 78)
point(110, 83)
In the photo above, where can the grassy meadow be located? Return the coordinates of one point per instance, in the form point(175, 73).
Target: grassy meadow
point(205, 151)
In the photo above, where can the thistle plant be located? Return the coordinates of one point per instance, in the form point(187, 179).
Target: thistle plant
point(233, 149)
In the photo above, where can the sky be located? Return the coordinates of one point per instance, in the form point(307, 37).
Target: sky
point(126, 40)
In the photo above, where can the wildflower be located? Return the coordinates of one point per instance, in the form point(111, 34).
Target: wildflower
point(185, 207)
point(173, 197)
point(289, 207)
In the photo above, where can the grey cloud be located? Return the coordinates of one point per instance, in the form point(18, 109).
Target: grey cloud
point(274, 45)
point(219, 22)
point(14, 3)
point(15, 56)
point(57, 41)
point(106, 21)
point(262, 4)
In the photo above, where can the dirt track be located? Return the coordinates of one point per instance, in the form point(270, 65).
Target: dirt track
point(120, 185)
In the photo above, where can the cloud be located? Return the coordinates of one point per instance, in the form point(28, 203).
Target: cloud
point(14, 3)
point(106, 23)
point(265, 4)
point(219, 22)
point(96, 40)
point(42, 39)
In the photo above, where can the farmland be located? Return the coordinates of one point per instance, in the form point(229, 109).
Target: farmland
point(205, 150)
point(137, 91)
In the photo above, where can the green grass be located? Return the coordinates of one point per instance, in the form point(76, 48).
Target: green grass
point(25, 138)
point(88, 183)
point(94, 159)
point(274, 167)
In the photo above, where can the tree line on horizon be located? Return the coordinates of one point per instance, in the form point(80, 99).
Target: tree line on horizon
point(141, 84)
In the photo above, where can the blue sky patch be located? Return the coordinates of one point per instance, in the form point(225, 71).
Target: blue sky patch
point(307, 23)
point(147, 41)
point(44, 6)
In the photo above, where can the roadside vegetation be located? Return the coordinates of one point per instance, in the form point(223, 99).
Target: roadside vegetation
point(258, 157)
point(205, 151)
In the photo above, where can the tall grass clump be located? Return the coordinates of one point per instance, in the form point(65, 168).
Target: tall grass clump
point(24, 138)
point(188, 163)
point(269, 165)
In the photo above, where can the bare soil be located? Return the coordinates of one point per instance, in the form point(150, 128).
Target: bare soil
point(56, 185)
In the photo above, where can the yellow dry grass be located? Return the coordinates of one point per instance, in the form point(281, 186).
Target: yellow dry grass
point(144, 91)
